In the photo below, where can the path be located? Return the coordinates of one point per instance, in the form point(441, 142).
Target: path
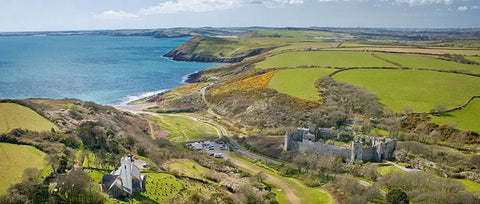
point(289, 191)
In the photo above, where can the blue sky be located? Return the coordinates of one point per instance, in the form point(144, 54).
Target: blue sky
point(37, 15)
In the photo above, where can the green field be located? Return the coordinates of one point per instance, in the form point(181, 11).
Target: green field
point(298, 83)
point(465, 119)
point(220, 48)
point(470, 186)
point(421, 90)
point(188, 168)
point(476, 59)
point(429, 62)
point(305, 45)
point(15, 159)
point(14, 116)
point(385, 169)
point(159, 187)
point(184, 128)
point(323, 59)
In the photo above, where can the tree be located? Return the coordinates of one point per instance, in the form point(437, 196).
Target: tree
point(397, 196)
point(438, 108)
point(53, 161)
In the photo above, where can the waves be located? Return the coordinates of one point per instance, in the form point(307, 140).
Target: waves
point(128, 99)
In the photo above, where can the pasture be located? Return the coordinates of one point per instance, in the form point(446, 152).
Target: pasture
point(438, 51)
point(307, 45)
point(298, 83)
point(420, 90)
point(428, 62)
point(184, 128)
point(15, 159)
point(14, 116)
point(464, 119)
point(322, 59)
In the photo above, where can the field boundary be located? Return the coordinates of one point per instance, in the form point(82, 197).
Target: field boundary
point(456, 108)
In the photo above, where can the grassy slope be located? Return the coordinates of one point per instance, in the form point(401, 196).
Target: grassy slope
point(470, 186)
point(16, 116)
point(387, 169)
point(306, 194)
point(188, 168)
point(298, 82)
point(229, 47)
point(422, 61)
point(465, 119)
point(184, 128)
point(323, 59)
point(14, 159)
point(421, 90)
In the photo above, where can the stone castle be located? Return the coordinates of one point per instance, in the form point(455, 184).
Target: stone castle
point(366, 148)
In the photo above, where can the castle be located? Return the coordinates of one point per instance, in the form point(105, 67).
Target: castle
point(365, 148)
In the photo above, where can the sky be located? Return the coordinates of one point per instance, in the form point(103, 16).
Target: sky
point(59, 15)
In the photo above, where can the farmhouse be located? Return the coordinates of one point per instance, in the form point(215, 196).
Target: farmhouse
point(123, 181)
point(364, 148)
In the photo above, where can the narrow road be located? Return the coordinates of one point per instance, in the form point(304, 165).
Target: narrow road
point(289, 191)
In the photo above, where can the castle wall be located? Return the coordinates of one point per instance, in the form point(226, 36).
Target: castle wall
point(320, 148)
point(369, 154)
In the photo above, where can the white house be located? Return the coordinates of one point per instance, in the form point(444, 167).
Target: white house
point(125, 180)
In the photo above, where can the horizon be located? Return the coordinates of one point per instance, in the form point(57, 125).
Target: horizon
point(69, 15)
point(246, 27)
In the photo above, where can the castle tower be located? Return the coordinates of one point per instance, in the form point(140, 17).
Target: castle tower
point(357, 151)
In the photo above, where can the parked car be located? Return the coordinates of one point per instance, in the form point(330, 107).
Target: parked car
point(408, 166)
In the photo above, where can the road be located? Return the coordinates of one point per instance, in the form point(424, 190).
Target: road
point(224, 132)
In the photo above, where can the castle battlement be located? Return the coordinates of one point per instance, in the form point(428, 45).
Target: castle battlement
point(308, 140)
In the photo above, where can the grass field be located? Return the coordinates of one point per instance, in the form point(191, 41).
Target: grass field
point(14, 116)
point(298, 83)
point(184, 128)
point(429, 62)
point(470, 186)
point(305, 45)
point(385, 169)
point(476, 59)
point(323, 59)
point(159, 187)
point(439, 51)
point(14, 159)
point(188, 168)
point(421, 90)
point(465, 119)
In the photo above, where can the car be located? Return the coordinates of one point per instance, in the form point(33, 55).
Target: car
point(408, 166)
point(212, 154)
point(211, 148)
point(218, 155)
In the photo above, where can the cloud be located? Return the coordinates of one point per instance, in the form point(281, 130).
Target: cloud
point(115, 15)
point(423, 2)
point(475, 7)
point(462, 8)
point(175, 6)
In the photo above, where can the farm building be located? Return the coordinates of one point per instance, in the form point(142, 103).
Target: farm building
point(125, 180)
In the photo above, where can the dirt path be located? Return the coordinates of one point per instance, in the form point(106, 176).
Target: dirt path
point(289, 191)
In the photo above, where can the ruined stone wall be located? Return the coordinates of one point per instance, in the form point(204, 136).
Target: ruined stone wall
point(320, 148)
point(369, 154)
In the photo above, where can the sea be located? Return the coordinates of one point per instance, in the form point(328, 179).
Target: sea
point(103, 69)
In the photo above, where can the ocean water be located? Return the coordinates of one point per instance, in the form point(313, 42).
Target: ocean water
point(103, 69)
